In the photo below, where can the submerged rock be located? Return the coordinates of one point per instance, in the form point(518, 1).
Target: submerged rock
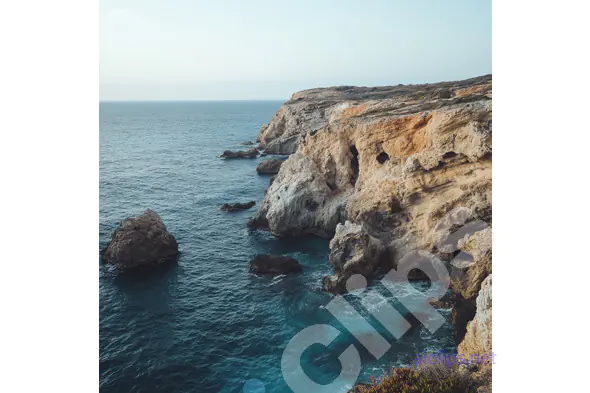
point(143, 240)
point(232, 207)
point(250, 153)
point(352, 251)
point(247, 143)
point(274, 264)
point(270, 167)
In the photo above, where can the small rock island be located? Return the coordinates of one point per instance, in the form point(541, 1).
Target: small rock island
point(140, 241)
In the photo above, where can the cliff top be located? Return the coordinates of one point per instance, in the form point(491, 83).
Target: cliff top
point(345, 93)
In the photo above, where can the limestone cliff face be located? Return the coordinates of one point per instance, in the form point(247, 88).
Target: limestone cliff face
point(478, 339)
point(309, 110)
point(392, 160)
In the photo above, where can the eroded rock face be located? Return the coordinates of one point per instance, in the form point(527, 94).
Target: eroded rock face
point(274, 264)
point(394, 161)
point(250, 153)
point(395, 165)
point(270, 167)
point(352, 251)
point(478, 339)
point(467, 276)
point(310, 110)
point(139, 241)
point(232, 207)
point(296, 203)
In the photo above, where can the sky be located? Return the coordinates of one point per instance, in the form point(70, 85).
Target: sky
point(269, 49)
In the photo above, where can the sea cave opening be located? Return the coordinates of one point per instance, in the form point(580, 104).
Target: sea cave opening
point(354, 164)
point(382, 157)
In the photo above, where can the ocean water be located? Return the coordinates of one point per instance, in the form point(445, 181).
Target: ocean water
point(207, 324)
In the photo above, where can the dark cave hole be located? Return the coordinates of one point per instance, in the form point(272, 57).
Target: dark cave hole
point(449, 154)
point(382, 157)
point(355, 164)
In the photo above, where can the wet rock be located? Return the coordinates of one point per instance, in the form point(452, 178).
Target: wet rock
point(270, 167)
point(352, 251)
point(139, 241)
point(232, 207)
point(274, 264)
point(247, 143)
point(250, 153)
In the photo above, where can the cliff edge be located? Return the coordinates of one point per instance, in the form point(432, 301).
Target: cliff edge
point(407, 164)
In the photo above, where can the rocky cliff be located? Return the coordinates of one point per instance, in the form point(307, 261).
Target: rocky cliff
point(395, 161)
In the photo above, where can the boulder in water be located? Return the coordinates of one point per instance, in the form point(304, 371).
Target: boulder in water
point(250, 153)
point(139, 241)
point(274, 264)
point(270, 167)
point(232, 207)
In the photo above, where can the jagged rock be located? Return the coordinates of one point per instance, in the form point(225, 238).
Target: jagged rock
point(311, 110)
point(232, 207)
point(274, 264)
point(143, 240)
point(468, 274)
point(270, 167)
point(295, 202)
point(250, 153)
point(247, 143)
point(444, 302)
point(478, 339)
point(272, 178)
point(394, 161)
point(463, 312)
point(352, 251)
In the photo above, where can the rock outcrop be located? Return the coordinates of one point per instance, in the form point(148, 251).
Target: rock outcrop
point(410, 165)
point(395, 165)
point(270, 167)
point(352, 251)
point(274, 264)
point(139, 241)
point(478, 339)
point(232, 207)
point(250, 153)
point(310, 110)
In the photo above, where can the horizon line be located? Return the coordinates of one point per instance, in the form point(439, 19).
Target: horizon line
point(192, 100)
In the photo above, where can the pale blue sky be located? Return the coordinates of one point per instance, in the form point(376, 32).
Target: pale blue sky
point(268, 49)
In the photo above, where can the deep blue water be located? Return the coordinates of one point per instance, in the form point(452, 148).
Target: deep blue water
point(207, 324)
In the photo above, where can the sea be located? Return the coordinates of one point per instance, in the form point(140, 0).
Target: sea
point(206, 324)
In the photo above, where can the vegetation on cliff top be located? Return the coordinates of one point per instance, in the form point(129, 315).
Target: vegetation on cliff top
point(430, 378)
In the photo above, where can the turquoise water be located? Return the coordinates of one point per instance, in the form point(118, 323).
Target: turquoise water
point(207, 324)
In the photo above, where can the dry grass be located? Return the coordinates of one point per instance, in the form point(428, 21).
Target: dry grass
point(427, 378)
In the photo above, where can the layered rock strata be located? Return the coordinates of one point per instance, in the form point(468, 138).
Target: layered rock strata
point(409, 165)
